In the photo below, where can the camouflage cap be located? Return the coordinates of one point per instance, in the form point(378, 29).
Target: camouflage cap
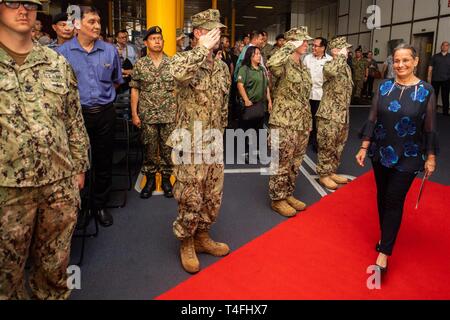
point(180, 34)
point(32, 1)
point(208, 19)
point(297, 34)
point(339, 43)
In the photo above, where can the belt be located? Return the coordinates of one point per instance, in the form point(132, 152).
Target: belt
point(97, 109)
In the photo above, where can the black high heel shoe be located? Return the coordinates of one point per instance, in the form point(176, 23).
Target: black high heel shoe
point(383, 270)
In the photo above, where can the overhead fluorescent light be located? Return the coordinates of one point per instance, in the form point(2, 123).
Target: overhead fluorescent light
point(249, 17)
point(264, 7)
point(239, 25)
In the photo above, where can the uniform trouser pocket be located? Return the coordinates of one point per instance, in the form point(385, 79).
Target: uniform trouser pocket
point(37, 221)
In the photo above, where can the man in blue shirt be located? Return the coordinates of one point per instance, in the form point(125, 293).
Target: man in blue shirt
point(98, 69)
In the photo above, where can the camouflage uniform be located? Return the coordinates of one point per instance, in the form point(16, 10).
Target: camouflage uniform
point(157, 111)
point(43, 146)
point(202, 97)
point(266, 51)
point(291, 115)
point(359, 73)
point(333, 114)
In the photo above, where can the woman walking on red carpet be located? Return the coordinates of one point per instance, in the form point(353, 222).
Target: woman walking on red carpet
point(400, 138)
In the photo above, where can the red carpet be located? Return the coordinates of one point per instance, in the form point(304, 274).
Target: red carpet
point(324, 252)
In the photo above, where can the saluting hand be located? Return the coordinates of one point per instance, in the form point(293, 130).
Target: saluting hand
point(344, 52)
point(297, 44)
point(210, 39)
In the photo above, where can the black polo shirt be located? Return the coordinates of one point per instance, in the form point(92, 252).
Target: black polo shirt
point(441, 67)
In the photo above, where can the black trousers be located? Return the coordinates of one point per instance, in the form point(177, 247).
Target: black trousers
point(392, 188)
point(100, 127)
point(255, 124)
point(368, 87)
point(445, 94)
point(313, 135)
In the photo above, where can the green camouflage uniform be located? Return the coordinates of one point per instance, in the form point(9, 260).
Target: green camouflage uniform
point(359, 73)
point(291, 115)
point(266, 51)
point(43, 146)
point(333, 114)
point(202, 97)
point(156, 110)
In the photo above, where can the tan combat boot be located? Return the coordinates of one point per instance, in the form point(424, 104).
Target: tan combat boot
point(296, 204)
point(204, 244)
point(328, 183)
point(339, 179)
point(188, 257)
point(283, 208)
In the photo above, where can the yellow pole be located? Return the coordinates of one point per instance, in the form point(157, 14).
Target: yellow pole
point(214, 4)
point(178, 11)
point(181, 23)
point(163, 13)
point(233, 26)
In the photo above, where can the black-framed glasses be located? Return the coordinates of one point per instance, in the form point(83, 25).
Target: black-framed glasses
point(30, 6)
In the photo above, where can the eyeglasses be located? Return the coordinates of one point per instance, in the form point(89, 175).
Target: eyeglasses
point(29, 6)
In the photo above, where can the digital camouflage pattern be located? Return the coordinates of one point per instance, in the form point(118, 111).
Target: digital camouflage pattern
point(202, 96)
point(203, 92)
point(337, 90)
point(156, 91)
point(43, 146)
point(297, 34)
point(198, 189)
point(331, 139)
point(333, 115)
point(157, 154)
point(266, 51)
point(208, 19)
point(292, 147)
point(338, 43)
point(359, 67)
point(46, 214)
point(291, 104)
point(42, 133)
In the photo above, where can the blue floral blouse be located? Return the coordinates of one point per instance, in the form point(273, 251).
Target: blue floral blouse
point(402, 126)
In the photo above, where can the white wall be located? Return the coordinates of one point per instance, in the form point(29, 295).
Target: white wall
point(343, 23)
point(352, 11)
point(445, 8)
point(365, 41)
point(403, 10)
point(354, 16)
point(402, 31)
point(332, 25)
point(364, 6)
point(426, 9)
point(386, 11)
point(444, 24)
point(380, 41)
point(322, 22)
point(353, 40)
point(343, 7)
